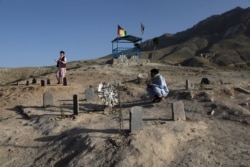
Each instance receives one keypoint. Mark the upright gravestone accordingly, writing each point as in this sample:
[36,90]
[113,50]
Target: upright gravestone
[75,105]
[65,81]
[48,81]
[90,94]
[178,112]
[34,81]
[47,99]
[205,81]
[42,83]
[189,85]
[117,83]
[135,121]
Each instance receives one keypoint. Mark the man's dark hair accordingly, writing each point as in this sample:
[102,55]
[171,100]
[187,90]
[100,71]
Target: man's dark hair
[62,52]
[155,71]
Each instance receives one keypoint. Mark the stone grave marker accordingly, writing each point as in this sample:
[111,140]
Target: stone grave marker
[206,84]
[47,99]
[189,85]
[65,81]
[75,105]
[42,83]
[89,94]
[48,81]
[205,81]
[178,112]
[135,122]
[27,83]
[34,81]
[117,82]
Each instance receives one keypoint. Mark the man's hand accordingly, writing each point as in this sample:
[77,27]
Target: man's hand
[148,83]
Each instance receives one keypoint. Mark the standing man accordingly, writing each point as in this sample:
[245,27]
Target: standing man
[61,65]
[157,87]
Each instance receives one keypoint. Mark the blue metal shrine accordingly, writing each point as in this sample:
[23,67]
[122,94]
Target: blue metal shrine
[126,47]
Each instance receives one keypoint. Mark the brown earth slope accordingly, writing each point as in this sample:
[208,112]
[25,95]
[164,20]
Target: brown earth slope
[37,136]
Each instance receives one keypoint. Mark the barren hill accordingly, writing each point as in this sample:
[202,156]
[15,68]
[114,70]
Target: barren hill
[221,40]
[216,132]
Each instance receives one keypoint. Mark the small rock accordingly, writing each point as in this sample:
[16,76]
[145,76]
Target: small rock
[212,112]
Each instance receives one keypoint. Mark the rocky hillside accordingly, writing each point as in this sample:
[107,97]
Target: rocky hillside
[220,40]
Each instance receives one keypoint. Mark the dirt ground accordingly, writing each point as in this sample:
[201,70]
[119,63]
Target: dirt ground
[215,133]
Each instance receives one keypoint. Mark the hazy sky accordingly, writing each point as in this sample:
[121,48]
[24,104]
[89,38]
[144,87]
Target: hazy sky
[34,31]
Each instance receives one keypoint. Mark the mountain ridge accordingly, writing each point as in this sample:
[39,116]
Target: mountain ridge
[224,36]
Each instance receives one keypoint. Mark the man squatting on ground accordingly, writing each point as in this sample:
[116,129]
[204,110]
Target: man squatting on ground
[157,87]
[61,65]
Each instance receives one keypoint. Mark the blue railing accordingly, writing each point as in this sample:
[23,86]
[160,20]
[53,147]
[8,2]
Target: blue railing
[129,52]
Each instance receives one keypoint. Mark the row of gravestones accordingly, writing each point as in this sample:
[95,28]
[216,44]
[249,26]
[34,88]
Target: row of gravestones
[48,102]
[48,99]
[136,115]
[48,82]
[89,93]
[190,85]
